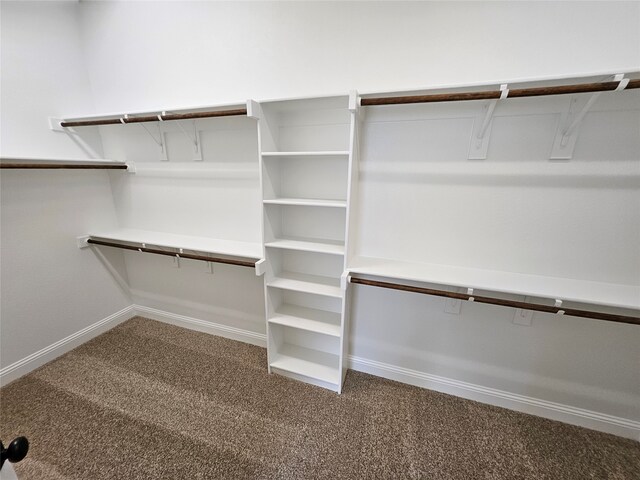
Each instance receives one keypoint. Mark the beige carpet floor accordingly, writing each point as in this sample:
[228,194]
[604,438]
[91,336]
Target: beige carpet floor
[152,401]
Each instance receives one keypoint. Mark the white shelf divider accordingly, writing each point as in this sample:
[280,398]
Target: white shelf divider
[308,245]
[307,202]
[329,153]
[302,282]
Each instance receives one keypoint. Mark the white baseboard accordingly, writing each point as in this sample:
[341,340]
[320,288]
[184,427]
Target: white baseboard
[622,427]
[39,358]
[259,339]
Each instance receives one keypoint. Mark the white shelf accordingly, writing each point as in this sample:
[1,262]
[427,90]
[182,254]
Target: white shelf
[302,282]
[175,109]
[330,153]
[596,293]
[59,161]
[311,319]
[332,247]
[307,202]
[305,361]
[170,240]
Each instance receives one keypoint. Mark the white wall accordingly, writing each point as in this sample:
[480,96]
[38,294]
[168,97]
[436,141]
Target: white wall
[50,289]
[152,54]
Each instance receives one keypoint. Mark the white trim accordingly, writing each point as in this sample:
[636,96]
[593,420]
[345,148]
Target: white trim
[39,358]
[623,427]
[212,328]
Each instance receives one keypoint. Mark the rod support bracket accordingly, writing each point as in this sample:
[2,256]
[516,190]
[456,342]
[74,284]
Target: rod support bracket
[55,124]
[261,266]
[345,279]
[83,241]
[470,293]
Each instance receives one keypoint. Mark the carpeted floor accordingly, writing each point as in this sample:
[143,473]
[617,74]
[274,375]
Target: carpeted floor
[152,401]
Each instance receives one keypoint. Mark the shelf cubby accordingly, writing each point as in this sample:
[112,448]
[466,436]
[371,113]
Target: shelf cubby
[310,228]
[307,354]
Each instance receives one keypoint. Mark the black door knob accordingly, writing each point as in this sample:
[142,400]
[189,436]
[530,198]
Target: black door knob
[15,452]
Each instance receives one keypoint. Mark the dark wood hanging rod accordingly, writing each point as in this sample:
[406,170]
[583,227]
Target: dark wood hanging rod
[63,166]
[229,261]
[497,301]
[495,94]
[155,118]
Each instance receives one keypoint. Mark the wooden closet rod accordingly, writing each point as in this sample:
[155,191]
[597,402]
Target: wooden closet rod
[229,261]
[66,166]
[495,94]
[497,301]
[155,118]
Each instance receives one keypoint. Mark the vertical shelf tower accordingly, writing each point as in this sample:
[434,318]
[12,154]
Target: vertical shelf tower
[307,159]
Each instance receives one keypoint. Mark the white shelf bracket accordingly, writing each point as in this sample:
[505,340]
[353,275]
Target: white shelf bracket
[195,140]
[161,141]
[131,168]
[558,304]
[569,126]
[176,261]
[208,267]
[481,134]
[261,266]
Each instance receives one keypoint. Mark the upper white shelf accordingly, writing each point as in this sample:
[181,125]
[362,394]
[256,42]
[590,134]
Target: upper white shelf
[307,202]
[329,153]
[176,109]
[170,240]
[595,293]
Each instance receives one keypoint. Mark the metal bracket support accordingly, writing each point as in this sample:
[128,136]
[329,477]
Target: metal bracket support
[569,126]
[481,133]
[195,140]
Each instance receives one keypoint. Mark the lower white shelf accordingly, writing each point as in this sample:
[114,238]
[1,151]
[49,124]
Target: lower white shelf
[302,282]
[310,363]
[170,240]
[310,319]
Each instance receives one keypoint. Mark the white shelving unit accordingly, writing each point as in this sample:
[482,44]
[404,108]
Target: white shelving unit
[307,151]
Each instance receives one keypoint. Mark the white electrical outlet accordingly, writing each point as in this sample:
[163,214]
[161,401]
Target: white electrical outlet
[453,305]
[523,317]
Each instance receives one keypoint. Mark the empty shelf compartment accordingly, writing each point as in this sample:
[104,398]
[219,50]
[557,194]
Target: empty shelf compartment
[308,362]
[311,319]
